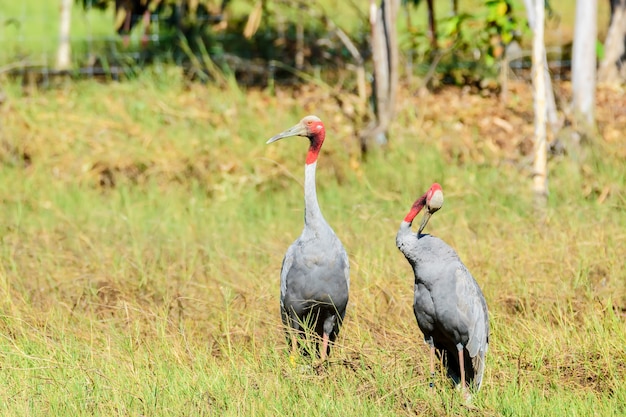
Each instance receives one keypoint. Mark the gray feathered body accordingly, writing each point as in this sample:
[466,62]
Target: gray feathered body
[448,304]
[314,278]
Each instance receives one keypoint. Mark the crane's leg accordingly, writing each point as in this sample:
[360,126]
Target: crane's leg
[327,329]
[294,344]
[462,366]
[432,362]
[325,338]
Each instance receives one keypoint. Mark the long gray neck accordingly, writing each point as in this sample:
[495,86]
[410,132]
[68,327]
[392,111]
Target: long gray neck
[312,213]
[404,233]
[405,228]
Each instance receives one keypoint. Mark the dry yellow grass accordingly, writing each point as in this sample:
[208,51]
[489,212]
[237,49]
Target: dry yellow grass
[144,224]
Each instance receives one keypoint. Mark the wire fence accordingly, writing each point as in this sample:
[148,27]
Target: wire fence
[30,37]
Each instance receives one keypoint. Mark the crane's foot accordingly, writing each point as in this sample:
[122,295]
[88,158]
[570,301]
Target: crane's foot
[432,364]
[467,396]
[321,368]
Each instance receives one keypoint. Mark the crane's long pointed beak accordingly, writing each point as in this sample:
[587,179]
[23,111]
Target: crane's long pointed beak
[297,130]
[427,215]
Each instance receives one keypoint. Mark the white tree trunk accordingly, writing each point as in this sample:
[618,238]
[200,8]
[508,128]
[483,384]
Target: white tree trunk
[385,56]
[584,63]
[540,171]
[64,52]
[553,118]
[608,72]
[380,56]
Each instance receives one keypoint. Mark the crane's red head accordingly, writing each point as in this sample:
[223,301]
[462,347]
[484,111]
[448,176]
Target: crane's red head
[310,127]
[432,199]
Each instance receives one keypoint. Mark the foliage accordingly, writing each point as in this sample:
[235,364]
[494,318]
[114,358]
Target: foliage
[472,42]
[502,27]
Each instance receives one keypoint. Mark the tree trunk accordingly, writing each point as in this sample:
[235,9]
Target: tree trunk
[552,115]
[385,57]
[64,52]
[540,171]
[614,53]
[432,25]
[584,65]
[360,64]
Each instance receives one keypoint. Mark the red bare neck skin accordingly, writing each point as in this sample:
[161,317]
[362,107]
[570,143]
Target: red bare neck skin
[317,140]
[415,209]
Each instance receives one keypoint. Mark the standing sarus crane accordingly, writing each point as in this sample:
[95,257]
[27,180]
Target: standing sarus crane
[448,303]
[315,275]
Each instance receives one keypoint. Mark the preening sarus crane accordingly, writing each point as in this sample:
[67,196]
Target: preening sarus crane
[315,275]
[448,304]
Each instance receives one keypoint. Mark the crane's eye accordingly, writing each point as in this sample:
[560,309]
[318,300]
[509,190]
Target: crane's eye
[309,122]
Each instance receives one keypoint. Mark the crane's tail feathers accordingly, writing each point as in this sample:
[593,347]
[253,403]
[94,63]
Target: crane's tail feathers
[478,363]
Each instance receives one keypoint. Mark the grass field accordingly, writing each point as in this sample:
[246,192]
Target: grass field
[144,225]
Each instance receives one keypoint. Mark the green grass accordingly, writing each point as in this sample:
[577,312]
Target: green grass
[144,224]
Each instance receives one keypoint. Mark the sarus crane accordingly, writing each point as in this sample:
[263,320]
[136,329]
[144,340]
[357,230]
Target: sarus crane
[315,274]
[449,306]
